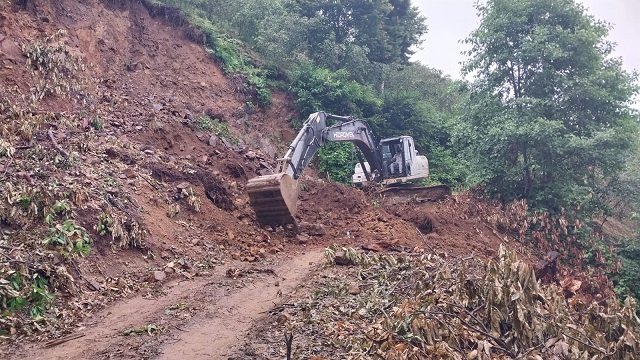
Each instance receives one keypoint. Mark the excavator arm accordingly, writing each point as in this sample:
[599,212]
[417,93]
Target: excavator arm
[315,133]
[274,197]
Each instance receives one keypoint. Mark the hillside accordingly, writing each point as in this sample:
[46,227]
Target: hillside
[124,155]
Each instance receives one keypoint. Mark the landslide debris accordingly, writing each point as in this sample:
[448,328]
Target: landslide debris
[419,305]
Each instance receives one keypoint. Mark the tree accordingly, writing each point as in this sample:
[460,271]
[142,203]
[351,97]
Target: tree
[387,29]
[549,116]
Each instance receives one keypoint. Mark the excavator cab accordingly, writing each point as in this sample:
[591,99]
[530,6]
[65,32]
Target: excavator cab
[400,163]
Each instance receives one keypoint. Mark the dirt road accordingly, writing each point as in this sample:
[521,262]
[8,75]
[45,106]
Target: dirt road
[169,327]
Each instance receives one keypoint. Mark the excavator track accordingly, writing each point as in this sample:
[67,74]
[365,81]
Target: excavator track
[412,194]
[274,199]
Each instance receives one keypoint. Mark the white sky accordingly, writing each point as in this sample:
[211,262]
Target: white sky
[450,21]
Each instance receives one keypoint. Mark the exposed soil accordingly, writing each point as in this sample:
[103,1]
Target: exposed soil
[198,319]
[151,85]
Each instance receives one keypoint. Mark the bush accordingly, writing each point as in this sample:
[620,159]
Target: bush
[320,89]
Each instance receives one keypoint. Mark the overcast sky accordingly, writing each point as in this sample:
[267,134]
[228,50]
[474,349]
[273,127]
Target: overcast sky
[449,21]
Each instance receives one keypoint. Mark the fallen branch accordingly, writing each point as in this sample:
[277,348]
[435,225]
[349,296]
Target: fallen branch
[63,340]
[155,187]
[586,344]
[55,144]
[500,344]
[31,266]
[288,340]
[6,167]
[92,283]
[424,241]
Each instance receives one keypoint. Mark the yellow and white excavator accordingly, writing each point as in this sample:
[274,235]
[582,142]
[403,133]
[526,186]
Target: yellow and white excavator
[393,163]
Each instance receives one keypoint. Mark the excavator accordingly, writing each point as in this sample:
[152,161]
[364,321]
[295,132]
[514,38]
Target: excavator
[392,163]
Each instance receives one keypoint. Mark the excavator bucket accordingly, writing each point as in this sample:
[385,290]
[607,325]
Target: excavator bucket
[274,199]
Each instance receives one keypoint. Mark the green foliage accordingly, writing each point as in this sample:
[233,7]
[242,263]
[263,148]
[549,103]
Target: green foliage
[336,160]
[332,91]
[387,29]
[548,118]
[217,127]
[20,292]
[408,113]
[627,280]
[97,123]
[71,237]
[105,221]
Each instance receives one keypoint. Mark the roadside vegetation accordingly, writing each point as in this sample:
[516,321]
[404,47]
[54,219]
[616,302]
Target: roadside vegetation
[424,306]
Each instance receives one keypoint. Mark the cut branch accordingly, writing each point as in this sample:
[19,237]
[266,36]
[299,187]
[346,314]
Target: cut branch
[55,144]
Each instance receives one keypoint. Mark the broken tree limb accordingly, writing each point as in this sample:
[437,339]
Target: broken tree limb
[63,340]
[6,167]
[94,285]
[55,144]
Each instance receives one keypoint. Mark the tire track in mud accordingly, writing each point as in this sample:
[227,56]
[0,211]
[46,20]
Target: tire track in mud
[222,333]
[217,328]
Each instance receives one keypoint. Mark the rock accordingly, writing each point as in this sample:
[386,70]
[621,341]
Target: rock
[156,107]
[168,270]
[250,155]
[354,289]
[183,186]
[263,172]
[283,318]
[157,276]
[138,128]
[129,173]
[312,229]
[149,152]
[341,259]
[93,285]
[213,140]
[302,239]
